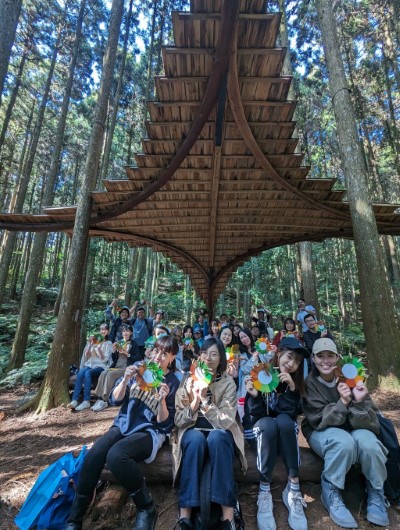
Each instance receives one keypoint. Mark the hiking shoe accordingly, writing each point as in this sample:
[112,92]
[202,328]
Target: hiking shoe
[333,502]
[377,507]
[73,404]
[265,516]
[184,524]
[295,503]
[84,405]
[146,518]
[100,405]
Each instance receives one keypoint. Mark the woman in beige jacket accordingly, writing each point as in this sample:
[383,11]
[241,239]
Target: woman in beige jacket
[206,427]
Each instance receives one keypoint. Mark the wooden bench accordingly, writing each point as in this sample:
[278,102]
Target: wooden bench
[160,471]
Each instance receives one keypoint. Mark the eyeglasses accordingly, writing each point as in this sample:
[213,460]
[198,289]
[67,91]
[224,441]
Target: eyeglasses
[157,352]
[210,355]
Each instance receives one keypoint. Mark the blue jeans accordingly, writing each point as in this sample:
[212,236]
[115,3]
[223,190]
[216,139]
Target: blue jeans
[218,445]
[341,449]
[84,378]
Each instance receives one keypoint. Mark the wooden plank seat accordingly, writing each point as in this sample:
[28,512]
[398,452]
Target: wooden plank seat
[160,471]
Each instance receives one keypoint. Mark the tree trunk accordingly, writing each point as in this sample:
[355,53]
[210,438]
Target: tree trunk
[380,328]
[54,389]
[57,303]
[39,244]
[113,119]
[133,258]
[9,15]
[308,274]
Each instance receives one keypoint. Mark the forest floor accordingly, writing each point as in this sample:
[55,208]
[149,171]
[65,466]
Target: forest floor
[28,443]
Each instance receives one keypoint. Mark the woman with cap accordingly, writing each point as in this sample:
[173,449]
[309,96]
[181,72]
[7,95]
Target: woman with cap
[271,428]
[341,425]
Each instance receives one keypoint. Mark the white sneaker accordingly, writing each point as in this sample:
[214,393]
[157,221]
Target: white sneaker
[295,503]
[73,404]
[265,516]
[100,405]
[84,405]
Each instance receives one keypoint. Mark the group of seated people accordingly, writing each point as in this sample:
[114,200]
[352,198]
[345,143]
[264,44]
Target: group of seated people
[211,400]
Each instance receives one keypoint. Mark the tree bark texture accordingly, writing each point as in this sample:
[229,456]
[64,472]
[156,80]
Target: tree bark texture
[381,333]
[9,15]
[52,393]
[308,275]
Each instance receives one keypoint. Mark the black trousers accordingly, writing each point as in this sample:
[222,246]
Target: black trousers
[121,453]
[276,436]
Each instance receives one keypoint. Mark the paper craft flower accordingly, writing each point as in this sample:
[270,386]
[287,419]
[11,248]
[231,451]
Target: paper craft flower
[96,338]
[122,345]
[294,334]
[264,347]
[264,378]
[351,371]
[231,352]
[200,373]
[150,342]
[149,376]
[188,342]
[320,326]
[118,307]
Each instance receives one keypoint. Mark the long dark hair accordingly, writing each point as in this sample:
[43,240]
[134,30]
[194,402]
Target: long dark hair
[221,350]
[289,319]
[298,375]
[242,347]
[105,325]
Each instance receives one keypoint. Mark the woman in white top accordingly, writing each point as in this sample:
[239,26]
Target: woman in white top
[96,358]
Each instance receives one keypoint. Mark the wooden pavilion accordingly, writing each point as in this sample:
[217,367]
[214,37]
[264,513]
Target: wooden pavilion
[219,178]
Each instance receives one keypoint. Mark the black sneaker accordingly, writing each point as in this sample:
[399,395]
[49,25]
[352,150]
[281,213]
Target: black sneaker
[184,524]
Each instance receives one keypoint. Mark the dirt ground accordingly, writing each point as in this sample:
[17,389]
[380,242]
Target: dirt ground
[29,443]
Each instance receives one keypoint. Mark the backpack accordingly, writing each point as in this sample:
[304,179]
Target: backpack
[50,499]
[388,437]
[208,516]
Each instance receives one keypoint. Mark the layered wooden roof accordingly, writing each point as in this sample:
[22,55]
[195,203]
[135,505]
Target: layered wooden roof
[219,178]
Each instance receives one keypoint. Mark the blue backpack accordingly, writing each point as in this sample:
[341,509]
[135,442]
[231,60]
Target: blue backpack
[50,499]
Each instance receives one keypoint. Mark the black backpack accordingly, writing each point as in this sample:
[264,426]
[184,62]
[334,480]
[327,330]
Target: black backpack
[388,437]
[208,516]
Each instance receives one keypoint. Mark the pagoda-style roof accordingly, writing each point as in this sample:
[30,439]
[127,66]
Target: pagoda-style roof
[219,178]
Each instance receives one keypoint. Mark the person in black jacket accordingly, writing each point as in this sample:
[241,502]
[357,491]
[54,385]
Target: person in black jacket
[274,429]
[144,420]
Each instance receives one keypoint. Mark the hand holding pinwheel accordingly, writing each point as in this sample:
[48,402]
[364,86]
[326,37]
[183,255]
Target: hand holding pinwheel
[264,347]
[149,376]
[200,373]
[264,377]
[351,370]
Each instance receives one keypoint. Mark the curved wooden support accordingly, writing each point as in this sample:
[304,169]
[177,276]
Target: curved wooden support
[127,236]
[229,267]
[248,137]
[229,21]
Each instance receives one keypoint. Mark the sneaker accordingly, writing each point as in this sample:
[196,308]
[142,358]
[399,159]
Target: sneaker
[73,404]
[265,516]
[333,502]
[377,508]
[100,405]
[96,404]
[84,405]
[295,503]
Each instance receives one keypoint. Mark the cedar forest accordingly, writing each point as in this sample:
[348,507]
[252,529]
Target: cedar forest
[48,104]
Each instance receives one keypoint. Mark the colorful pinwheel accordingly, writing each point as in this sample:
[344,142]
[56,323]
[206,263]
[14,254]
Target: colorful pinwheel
[122,345]
[320,326]
[231,352]
[352,370]
[188,342]
[200,373]
[149,376]
[150,342]
[264,377]
[264,347]
[96,338]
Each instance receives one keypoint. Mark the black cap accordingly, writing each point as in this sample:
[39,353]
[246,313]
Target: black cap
[291,343]
[160,312]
